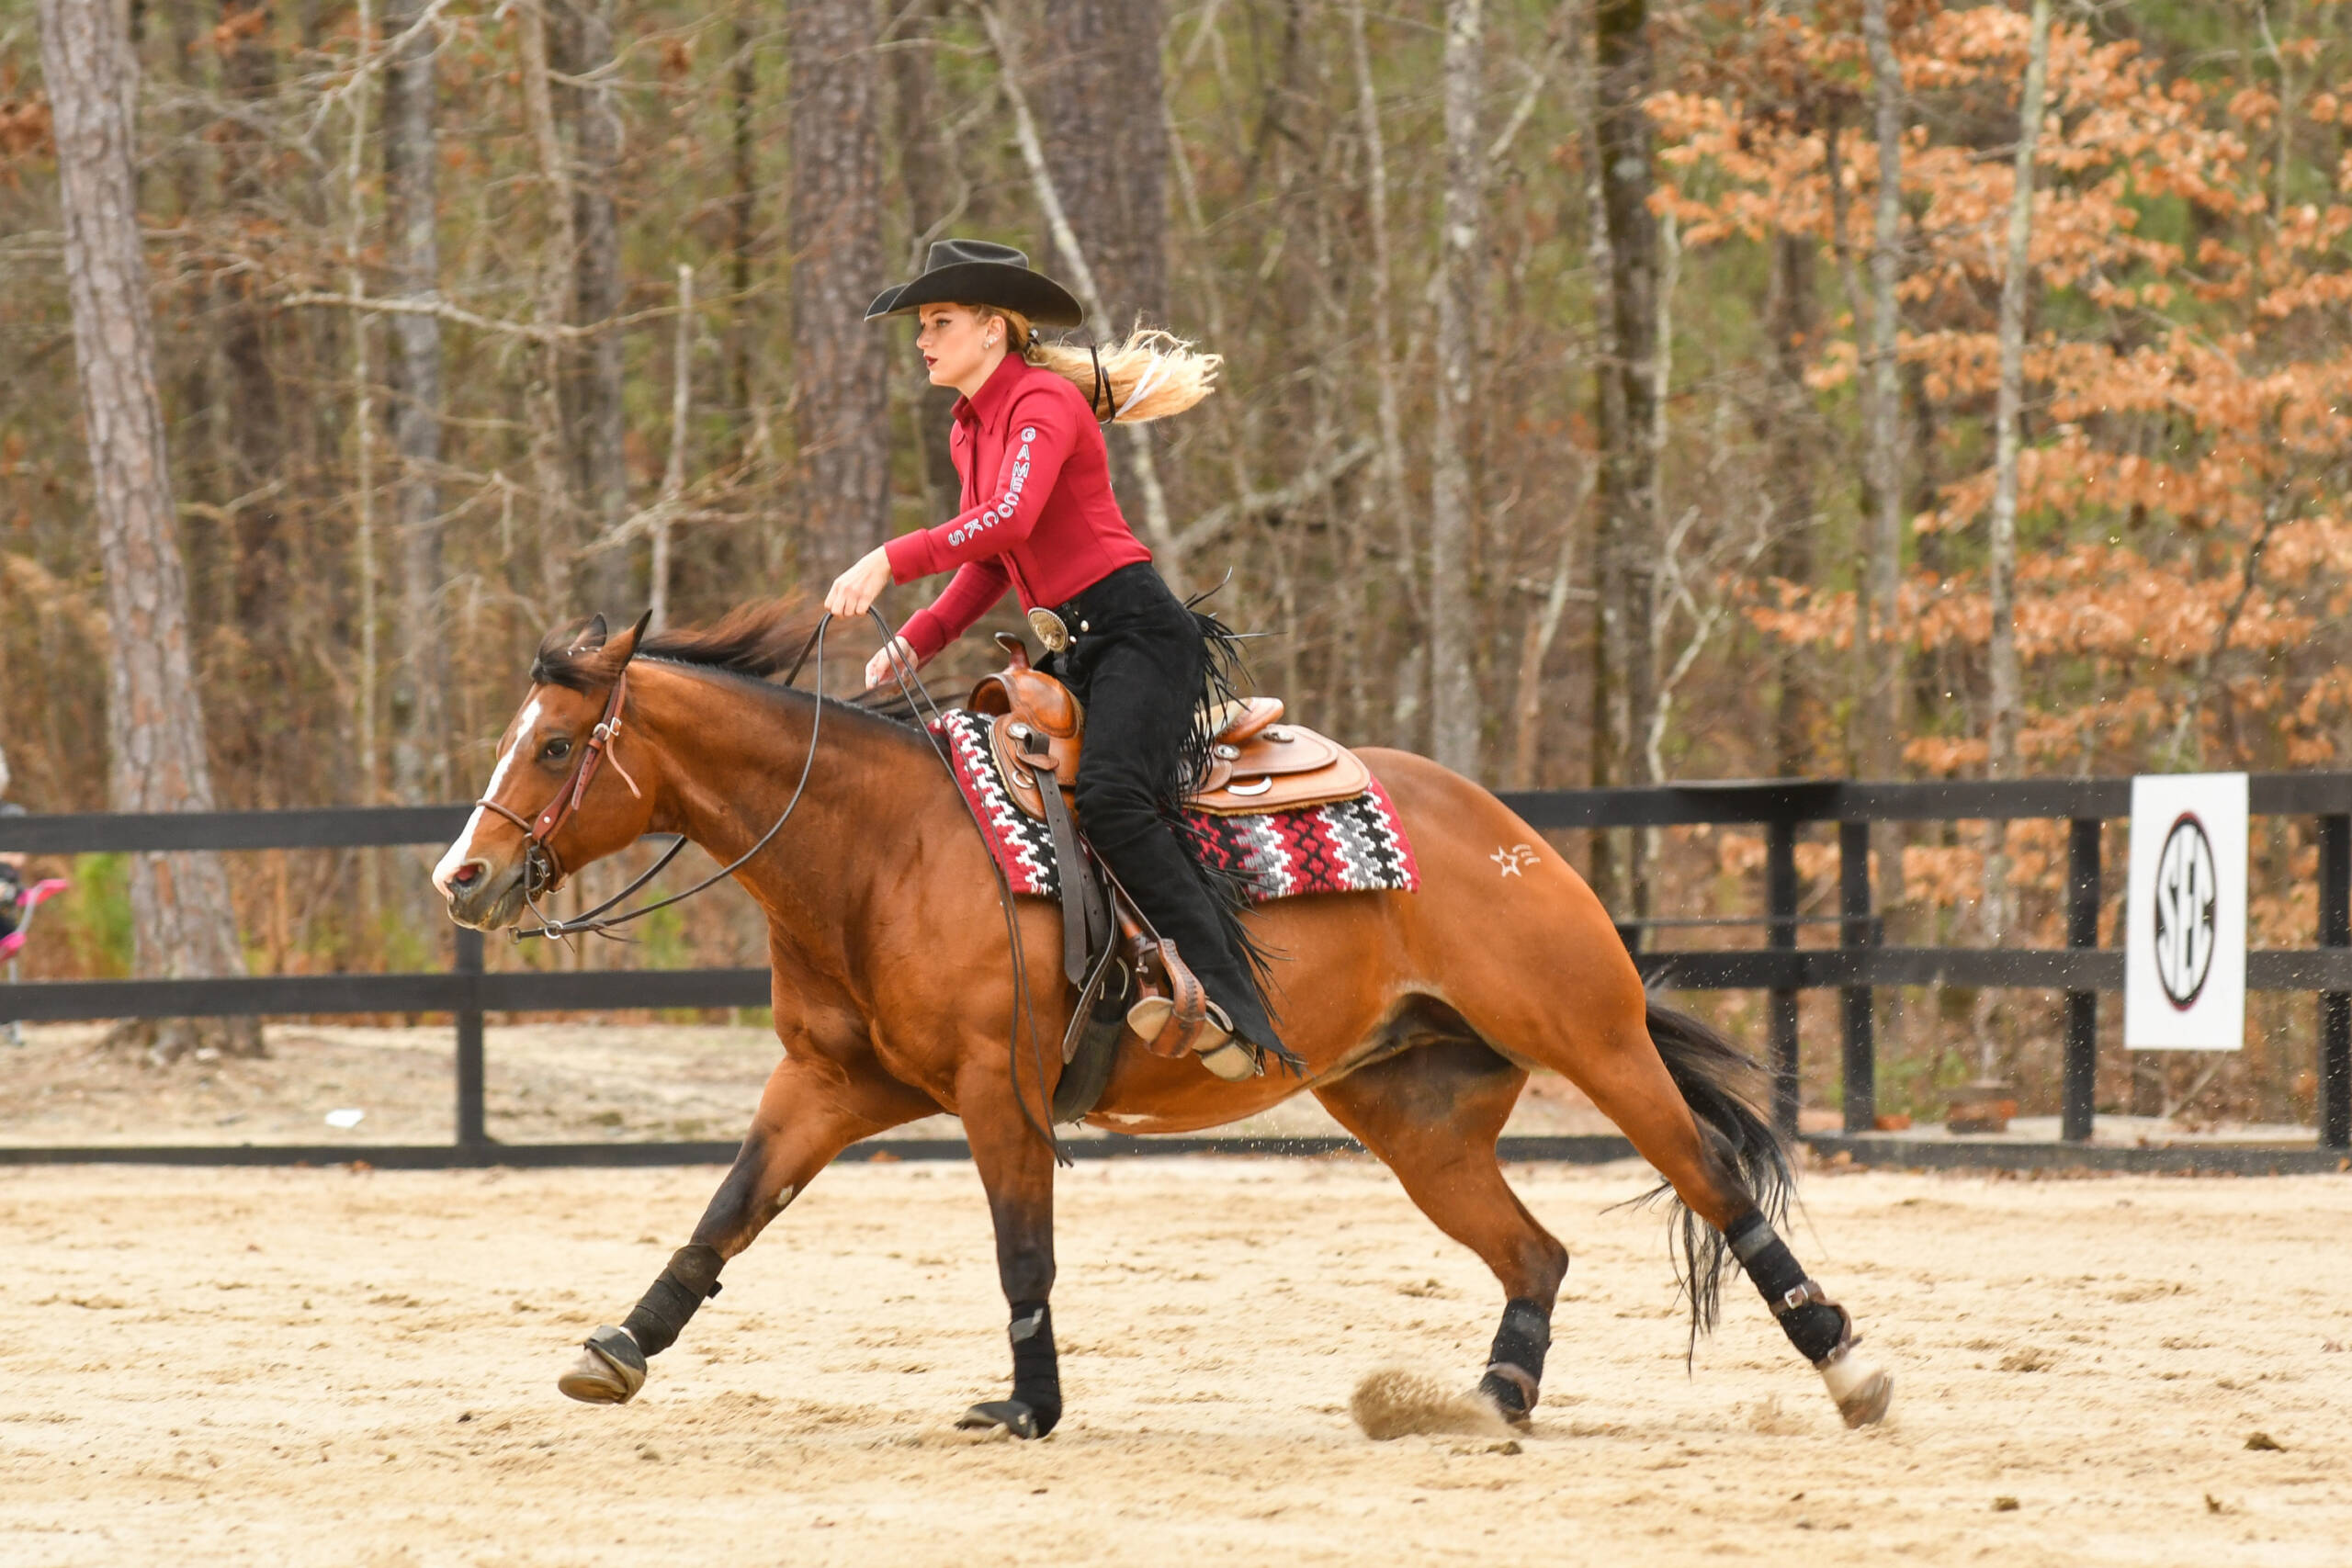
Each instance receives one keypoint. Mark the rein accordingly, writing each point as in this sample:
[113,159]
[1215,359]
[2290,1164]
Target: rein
[543,870]
[567,795]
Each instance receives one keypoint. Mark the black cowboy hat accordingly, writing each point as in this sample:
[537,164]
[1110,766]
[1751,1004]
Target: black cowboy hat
[975,272]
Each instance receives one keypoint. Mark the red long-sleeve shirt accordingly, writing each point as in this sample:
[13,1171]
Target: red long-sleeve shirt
[1045,524]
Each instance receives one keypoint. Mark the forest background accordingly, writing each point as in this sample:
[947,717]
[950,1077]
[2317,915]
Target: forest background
[1614,392]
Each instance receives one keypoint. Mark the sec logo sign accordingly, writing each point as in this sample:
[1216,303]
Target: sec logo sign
[2184,925]
[2183,928]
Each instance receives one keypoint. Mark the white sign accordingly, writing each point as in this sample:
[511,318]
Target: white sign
[2184,924]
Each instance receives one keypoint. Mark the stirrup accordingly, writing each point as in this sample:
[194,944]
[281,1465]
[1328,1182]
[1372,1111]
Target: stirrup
[1218,1051]
[1230,1059]
[1173,1025]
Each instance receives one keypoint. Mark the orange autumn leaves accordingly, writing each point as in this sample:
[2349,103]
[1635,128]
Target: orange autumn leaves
[2189,370]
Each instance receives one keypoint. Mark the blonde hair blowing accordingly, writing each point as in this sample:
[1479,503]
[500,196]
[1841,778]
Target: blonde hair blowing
[1161,365]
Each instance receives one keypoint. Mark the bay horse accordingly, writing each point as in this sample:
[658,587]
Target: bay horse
[1417,1015]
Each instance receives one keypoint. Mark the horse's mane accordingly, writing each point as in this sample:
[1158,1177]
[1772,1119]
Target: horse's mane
[755,641]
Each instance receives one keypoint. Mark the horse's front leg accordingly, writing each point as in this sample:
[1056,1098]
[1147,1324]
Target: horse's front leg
[1016,1168]
[810,1111]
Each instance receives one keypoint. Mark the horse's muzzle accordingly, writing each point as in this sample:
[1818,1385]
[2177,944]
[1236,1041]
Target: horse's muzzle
[485,899]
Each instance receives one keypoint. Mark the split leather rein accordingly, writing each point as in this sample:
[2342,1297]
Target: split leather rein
[543,870]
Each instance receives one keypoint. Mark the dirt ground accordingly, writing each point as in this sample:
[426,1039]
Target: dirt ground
[358,1369]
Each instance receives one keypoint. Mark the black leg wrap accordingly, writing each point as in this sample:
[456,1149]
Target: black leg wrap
[660,1316]
[1515,1367]
[1036,1367]
[1813,1327]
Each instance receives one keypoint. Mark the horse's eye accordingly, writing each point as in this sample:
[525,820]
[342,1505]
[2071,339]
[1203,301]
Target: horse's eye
[556,749]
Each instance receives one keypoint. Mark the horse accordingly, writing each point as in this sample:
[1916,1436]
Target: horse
[1415,1016]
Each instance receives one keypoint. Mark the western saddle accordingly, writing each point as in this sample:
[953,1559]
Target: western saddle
[1258,764]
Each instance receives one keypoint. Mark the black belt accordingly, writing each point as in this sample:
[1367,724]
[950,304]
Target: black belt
[1063,625]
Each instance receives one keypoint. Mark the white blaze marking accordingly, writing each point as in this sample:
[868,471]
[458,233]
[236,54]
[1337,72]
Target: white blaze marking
[462,851]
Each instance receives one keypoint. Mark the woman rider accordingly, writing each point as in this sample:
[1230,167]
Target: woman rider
[1038,517]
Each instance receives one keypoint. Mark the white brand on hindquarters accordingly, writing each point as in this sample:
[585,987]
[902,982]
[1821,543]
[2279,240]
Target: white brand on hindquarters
[1515,859]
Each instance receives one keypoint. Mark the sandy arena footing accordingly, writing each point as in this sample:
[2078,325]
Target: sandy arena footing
[358,1369]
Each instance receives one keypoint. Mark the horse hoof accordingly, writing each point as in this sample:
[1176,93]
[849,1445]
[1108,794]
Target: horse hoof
[610,1371]
[1009,1414]
[1861,1390]
[1512,1392]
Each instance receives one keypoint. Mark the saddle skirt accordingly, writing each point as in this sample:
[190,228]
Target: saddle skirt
[1258,765]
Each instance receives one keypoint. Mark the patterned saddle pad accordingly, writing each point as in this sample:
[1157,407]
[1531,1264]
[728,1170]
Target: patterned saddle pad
[1348,846]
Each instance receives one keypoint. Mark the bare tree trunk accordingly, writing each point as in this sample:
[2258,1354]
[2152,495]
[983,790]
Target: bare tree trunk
[1876,610]
[1629,493]
[182,921]
[421,674]
[1096,71]
[550,474]
[1788,314]
[1536,643]
[2001,563]
[673,473]
[1383,347]
[596,419]
[1159,524]
[2001,566]
[256,432]
[937,194]
[841,363]
[742,206]
[363,448]
[1454,682]
[1877,602]
[1105,137]
[1611,736]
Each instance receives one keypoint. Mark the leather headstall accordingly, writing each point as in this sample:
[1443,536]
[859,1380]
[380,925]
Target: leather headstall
[538,835]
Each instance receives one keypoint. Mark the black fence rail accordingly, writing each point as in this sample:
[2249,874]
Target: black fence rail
[1859,963]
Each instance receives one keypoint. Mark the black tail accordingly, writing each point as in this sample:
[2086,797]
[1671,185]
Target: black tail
[1724,1087]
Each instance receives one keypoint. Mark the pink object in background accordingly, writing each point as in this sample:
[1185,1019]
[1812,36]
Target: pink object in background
[32,899]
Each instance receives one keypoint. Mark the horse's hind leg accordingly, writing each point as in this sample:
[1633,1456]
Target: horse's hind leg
[1670,1084]
[809,1112]
[1432,1115]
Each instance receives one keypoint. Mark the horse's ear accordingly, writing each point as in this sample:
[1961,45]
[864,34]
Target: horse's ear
[629,641]
[590,636]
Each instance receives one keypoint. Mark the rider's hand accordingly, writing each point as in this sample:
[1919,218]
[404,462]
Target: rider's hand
[879,668]
[854,590]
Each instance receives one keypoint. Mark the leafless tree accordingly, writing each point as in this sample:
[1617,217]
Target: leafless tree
[411,150]
[1883,465]
[1095,69]
[181,918]
[1453,620]
[1624,673]
[840,363]
[595,422]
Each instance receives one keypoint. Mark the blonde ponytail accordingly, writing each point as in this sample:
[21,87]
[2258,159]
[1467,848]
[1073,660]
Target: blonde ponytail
[1148,374]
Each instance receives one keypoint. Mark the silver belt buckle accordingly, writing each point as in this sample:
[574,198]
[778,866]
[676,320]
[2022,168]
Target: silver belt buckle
[1050,629]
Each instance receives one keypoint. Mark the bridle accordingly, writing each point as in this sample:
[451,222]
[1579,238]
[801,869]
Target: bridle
[543,870]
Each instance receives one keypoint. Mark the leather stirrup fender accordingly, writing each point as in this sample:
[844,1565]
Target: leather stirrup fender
[1077,911]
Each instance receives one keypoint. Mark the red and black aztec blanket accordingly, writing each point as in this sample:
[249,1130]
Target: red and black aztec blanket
[1351,846]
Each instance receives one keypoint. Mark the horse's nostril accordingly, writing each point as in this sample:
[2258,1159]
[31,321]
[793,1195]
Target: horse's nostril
[467,875]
